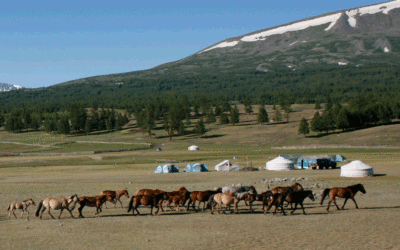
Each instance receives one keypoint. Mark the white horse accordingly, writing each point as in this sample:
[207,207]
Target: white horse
[57,204]
[20,205]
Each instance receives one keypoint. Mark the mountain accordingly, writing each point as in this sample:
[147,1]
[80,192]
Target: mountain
[359,36]
[343,53]
[7,87]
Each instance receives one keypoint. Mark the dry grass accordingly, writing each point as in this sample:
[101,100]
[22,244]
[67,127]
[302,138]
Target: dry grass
[374,226]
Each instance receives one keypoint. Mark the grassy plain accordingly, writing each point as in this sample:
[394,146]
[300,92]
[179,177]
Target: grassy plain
[376,225]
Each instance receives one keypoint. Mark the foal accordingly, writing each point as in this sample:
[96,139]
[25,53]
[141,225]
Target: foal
[95,201]
[20,205]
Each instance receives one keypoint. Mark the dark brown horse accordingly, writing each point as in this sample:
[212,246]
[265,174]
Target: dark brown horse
[150,192]
[146,200]
[260,197]
[342,192]
[275,200]
[115,195]
[298,198]
[201,196]
[96,201]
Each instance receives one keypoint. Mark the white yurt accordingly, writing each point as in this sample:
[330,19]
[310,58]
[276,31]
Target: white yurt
[226,166]
[193,148]
[356,169]
[280,164]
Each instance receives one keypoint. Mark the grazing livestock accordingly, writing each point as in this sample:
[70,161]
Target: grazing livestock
[277,201]
[201,196]
[146,200]
[224,199]
[260,197]
[294,188]
[115,195]
[298,198]
[342,192]
[20,205]
[57,204]
[96,201]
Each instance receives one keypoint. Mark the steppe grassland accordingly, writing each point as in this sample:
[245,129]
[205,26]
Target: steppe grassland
[374,226]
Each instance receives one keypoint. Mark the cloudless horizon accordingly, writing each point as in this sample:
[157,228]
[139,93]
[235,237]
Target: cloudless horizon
[43,43]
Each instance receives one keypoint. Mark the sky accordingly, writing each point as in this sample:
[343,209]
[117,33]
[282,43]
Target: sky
[43,43]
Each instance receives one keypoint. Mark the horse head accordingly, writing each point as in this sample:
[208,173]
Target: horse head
[311,196]
[362,189]
[126,193]
[32,202]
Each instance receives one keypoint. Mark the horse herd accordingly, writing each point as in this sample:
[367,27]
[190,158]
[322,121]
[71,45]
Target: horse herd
[211,199]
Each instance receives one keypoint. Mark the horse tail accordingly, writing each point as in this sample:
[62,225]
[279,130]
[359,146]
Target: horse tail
[39,207]
[324,194]
[130,206]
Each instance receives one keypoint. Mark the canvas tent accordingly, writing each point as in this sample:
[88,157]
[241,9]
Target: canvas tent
[193,148]
[226,166]
[356,169]
[197,167]
[338,158]
[306,161]
[280,164]
[167,168]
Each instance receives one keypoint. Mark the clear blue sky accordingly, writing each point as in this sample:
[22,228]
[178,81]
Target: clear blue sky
[43,43]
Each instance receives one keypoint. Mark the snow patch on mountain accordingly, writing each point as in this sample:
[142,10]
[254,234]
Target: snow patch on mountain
[384,8]
[332,19]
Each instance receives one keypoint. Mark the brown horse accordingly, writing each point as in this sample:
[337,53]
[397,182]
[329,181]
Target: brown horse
[201,196]
[150,192]
[178,200]
[277,201]
[298,198]
[146,200]
[260,197]
[20,205]
[342,192]
[294,188]
[226,199]
[115,195]
[57,204]
[96,201]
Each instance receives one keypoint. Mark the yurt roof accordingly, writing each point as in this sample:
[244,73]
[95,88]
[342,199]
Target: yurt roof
[281,160]
[356,165]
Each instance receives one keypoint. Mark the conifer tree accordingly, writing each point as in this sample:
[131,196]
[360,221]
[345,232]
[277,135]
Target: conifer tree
[63,125]
[262,116]
[316,123]
[234,117]
[200,128]
[223,118]
[304,127]
[277,115]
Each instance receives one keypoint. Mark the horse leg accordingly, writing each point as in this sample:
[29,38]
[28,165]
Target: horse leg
[345,200]
[41,214]
[334,201]
[48,210]
[27,218]
[22,213]
[151,209]
[294,209]
[354,202]
[14,214]
[80,211]
[301,204]
[283,211]
[62,209]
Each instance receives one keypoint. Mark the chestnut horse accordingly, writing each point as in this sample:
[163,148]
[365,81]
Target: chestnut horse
[20,205]
[260,197]
[342,192]
[57,204]
[298,198]
[294,188]
[146,200]
[115,195]
[95,201]
[276,200]
[201,196]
